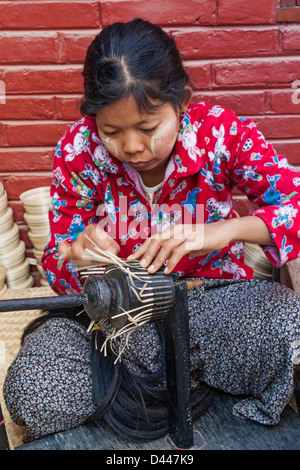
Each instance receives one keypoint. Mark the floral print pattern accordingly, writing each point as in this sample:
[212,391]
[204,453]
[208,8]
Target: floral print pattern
[215,153]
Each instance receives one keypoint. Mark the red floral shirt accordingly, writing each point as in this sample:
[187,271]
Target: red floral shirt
[215,152]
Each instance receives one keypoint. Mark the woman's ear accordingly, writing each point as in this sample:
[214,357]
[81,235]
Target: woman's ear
[186,99]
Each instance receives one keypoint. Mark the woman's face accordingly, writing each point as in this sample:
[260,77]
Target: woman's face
[144,141]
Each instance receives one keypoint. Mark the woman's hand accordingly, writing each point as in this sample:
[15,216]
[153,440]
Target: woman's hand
[182,240]
[198,240]
[74,251]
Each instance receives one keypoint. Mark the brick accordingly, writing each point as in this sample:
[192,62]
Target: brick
[2,135]
[28,107]
[289,148]
[287,3]
[247,12]
[74,45]
[37,107]
[200,74]
[262,72]
[45,47]
[23,229]
[288,15]
[226,42]
[43,79]
[282,102]
[291,39]
[35,133]
[26,159]
[276,127]
[67,107]
[163,12]
[240,102]
[18,211]
[17,183]
[28,47]
[49,15]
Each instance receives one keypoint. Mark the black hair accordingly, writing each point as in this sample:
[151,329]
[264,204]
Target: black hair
[133,406]
[137,59]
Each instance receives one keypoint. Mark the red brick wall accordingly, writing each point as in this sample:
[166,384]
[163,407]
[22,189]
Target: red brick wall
[237,54]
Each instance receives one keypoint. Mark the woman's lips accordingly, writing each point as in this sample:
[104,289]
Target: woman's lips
[140,165]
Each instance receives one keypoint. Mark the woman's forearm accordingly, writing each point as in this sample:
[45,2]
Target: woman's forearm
[251,229]
[197,240]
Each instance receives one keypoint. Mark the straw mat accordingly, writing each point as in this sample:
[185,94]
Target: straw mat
[12,325]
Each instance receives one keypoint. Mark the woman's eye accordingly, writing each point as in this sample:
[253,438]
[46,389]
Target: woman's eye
[110,134]
[149,131]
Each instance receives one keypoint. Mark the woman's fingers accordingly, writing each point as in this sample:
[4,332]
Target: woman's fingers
[91,236]
[156,258]
[157,249]
[170,245]
[103,240]
[175,257]
[139,251]
[64,249]
[149,248]
[182,241]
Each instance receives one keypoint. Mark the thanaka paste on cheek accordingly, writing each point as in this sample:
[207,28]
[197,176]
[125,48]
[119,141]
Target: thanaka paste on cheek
[110,145]
[164,136]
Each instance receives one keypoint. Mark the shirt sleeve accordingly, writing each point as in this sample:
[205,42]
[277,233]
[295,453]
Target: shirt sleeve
[271,183]
[74,206]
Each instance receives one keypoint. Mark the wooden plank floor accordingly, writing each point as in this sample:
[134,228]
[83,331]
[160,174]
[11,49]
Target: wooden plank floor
[219,429]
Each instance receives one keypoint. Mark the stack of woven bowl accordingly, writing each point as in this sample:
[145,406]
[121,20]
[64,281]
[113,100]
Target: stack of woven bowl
[12,249]
[3,286]
[36,203]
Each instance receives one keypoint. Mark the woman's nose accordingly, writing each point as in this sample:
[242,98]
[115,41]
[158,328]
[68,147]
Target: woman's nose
[132,143]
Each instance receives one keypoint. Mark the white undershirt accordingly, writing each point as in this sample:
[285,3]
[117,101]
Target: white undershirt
[150,191]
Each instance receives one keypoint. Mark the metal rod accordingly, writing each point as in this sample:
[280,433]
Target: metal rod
[43,303]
